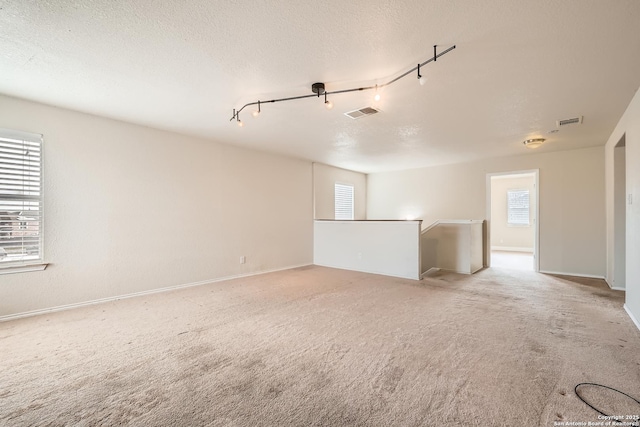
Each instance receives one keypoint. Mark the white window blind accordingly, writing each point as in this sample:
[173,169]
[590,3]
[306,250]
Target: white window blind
[343,201]
[20,197]
[518,207]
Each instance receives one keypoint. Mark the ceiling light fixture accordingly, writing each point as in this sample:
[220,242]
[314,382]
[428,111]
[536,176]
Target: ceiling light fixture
[377,96]
[534,142]
[256,113]
[421,79]
[236,115]
[319,89]
[328,104]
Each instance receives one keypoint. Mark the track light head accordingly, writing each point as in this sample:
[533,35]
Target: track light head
[328,104]
[421,79]
[256,113]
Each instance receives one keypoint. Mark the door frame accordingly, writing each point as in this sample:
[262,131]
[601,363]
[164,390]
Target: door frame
[536,222]
[620,205]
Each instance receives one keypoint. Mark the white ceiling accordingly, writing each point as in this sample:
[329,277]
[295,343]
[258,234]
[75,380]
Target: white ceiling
[519,65]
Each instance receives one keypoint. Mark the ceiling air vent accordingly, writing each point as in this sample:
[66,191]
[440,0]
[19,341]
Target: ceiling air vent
[566,122]
[366,111]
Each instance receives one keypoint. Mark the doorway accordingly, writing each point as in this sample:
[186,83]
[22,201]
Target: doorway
[512,204]
[619,214]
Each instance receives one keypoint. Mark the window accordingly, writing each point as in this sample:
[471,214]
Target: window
[344,201]
[20,198]
[518,207]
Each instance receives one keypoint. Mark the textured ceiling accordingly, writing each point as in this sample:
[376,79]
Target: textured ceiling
[519,65]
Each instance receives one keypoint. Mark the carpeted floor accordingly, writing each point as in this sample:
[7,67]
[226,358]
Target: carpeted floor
[512,260]
[322,347]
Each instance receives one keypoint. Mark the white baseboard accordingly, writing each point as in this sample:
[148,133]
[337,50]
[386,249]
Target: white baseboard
[447,270]
[615,288]
[138,294]
[419,276]
[559,273]
[511,249]
[633,318]
[430,271]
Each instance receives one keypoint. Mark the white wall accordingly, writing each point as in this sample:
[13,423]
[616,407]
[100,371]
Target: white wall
[571,192]
[391,248]
[503,235]
[629,127]
[324,180]
[131,209]
[452,245]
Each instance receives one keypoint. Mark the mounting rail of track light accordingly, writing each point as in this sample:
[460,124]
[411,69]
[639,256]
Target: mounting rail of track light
[318,89]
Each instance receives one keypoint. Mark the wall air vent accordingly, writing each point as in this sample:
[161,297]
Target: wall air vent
[366,111]
[572,121]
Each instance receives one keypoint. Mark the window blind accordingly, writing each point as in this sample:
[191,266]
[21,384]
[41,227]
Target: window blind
[343,202]
[20,196]
[518,207]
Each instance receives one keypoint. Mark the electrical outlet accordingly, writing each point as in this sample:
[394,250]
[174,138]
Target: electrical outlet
[243,259]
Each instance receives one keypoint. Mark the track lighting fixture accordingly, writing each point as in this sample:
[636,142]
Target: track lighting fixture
[319,88]
[236,115]
[256,113]
[328,104]
[421,79]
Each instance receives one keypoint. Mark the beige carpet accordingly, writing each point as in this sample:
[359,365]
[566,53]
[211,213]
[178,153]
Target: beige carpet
[322,347]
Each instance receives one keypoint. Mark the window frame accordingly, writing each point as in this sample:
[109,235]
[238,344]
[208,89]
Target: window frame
[33,264]
[336,201]
[510,208]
